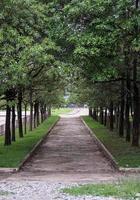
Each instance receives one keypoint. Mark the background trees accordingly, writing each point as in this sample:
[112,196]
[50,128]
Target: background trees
[29,65]
[103,37]
[90,46]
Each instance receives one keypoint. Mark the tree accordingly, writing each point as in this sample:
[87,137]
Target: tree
[103,36]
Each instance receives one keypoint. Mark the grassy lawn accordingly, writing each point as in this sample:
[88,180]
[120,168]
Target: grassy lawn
[5,193]
[11,156]
[60,111]
[126,190]
[123,152]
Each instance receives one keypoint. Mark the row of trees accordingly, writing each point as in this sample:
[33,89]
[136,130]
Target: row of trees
[30,74]
[95,45]
[101,40]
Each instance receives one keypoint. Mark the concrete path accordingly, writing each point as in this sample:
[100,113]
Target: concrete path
[69,154]
[68,157]
[76,112]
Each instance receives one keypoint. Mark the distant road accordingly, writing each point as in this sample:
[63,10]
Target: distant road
[76,112]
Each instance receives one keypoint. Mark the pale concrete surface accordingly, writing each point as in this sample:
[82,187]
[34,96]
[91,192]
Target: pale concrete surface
[69,154]
[68,157]
[76,112]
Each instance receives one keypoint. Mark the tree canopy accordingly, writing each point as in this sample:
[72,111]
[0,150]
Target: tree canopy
[92,48]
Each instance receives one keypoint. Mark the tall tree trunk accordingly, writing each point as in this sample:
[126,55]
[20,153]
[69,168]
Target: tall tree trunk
[7,126]
[111,116]
[117,117]
[97,111]
[38,118]
[10,95]
[90,111]
[127,121]
[45,112]
[41,111]
[135,137]
[94,114]
[35,115]
[13,124]
[50,110]
[105,117]
[25,119]
[122,106]
[19,108]
[137,4]
[31,108]
[101,116]
[127,103]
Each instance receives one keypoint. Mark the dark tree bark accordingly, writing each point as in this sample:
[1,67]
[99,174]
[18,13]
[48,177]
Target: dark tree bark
[38,117]
[97,111]
[90,112]
[128,103]
[25,119]
[127,121]
[13,124]
[19,108]
[136,106]
[7,126]
[117,117]
[122,106]
[10,96]
[45,111]
[42,111]
[135,137]
[111,116]
[137,4]
[101,116]
[31,108]
[94,114]
[35,114]
[105,116]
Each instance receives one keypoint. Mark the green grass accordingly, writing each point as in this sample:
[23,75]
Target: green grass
[60,111]
[126,190]
[126,155]
[5,193]
[11,156]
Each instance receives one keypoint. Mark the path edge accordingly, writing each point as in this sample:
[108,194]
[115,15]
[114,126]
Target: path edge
[30,154]
[107,154]
[101,146]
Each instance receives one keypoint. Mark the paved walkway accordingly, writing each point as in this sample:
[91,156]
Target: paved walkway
[69,153]
[69,156]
